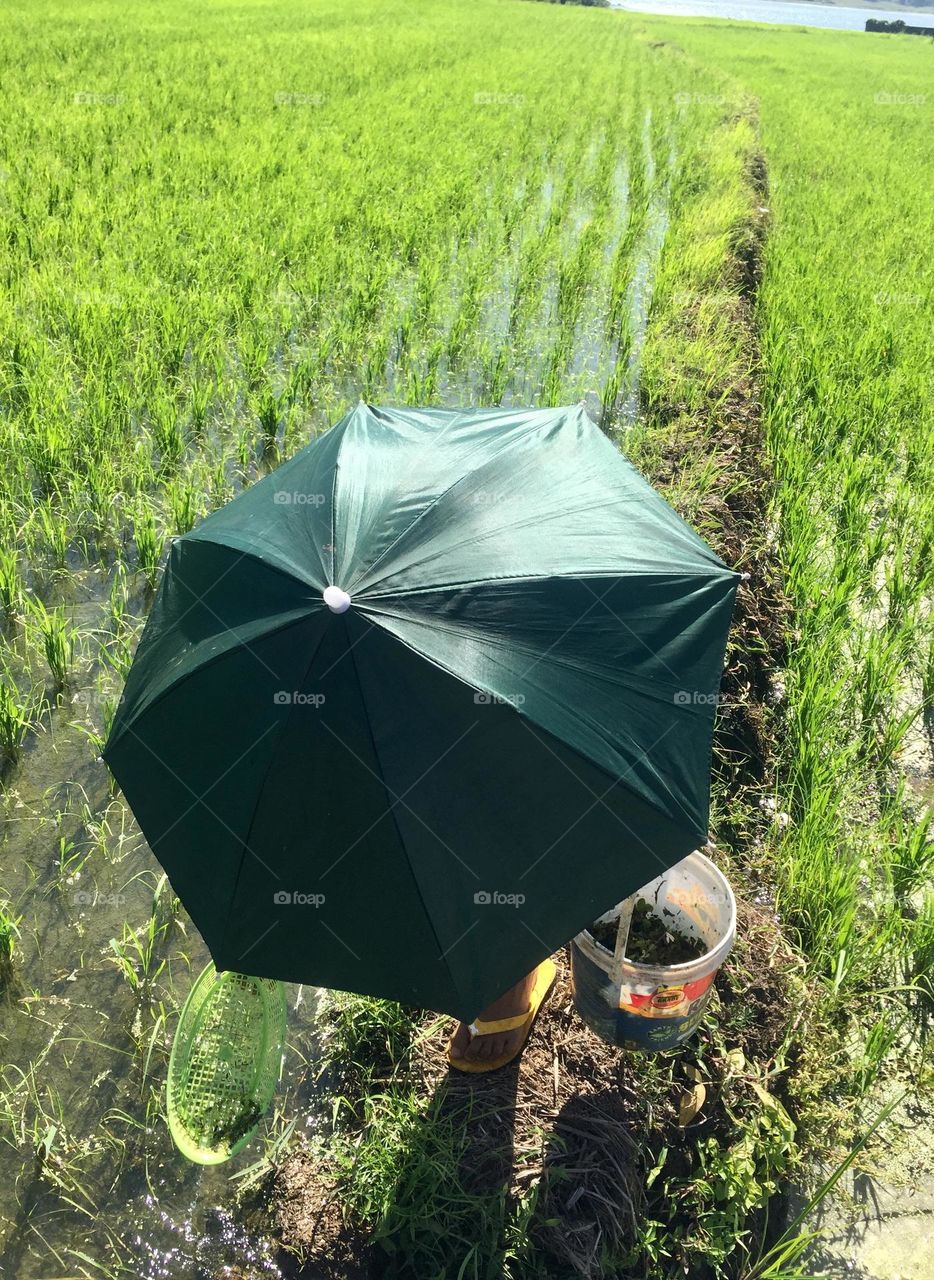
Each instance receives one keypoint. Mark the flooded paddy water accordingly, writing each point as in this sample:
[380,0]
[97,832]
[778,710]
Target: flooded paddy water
[88,1170]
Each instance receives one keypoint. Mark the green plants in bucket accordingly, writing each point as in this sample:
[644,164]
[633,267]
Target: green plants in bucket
[225,1063]
[632,999]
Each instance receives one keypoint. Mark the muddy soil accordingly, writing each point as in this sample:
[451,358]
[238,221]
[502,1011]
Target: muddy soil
[583,1118]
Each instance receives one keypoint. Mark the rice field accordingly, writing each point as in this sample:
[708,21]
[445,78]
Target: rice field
[223,226]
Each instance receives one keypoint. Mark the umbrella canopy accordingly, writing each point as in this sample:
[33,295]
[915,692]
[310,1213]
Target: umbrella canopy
[413,709]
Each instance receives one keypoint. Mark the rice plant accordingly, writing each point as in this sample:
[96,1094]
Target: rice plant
[149,542]
[9,934]
[15,718]
[56,637]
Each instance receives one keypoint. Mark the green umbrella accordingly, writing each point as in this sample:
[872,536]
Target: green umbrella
[413,709]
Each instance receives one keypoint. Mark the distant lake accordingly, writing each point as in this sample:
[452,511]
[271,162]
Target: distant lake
[806,15]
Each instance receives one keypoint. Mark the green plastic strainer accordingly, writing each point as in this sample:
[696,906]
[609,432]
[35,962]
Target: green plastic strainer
[225,1063]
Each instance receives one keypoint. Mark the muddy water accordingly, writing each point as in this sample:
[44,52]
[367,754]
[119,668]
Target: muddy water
[84,1054]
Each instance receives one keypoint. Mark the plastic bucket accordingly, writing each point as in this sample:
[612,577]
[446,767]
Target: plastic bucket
[654,1007]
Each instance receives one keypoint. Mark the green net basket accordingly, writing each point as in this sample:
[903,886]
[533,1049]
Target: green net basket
[225,1063]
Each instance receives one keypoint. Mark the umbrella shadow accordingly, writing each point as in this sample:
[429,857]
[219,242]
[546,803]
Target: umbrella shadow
[465,1168]
[591,1190]
[451,1202]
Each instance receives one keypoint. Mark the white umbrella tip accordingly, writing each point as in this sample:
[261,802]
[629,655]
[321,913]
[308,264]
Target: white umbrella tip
[337,601]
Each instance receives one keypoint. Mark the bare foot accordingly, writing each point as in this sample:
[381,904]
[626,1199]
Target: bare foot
[479,1048]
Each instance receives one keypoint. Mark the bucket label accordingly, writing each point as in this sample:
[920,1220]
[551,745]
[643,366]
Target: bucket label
[664,1001]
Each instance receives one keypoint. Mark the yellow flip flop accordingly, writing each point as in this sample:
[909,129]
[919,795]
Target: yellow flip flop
[544,981]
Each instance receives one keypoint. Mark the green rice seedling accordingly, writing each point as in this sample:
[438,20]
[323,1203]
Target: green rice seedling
[70,861]
[167,435]
[135,955]
[54,531]
[200,395]
[149,542]
[119,597]
[255,354]
[172,330]
[9,933]
[910,857]
[102,510]
[277,1137]
[219,488]
[61,1159]
[118,653]
[15,719]
[269,409]
[11,585]
[183,504]
[921,960]
[496,372]
[56,637]
[48,446]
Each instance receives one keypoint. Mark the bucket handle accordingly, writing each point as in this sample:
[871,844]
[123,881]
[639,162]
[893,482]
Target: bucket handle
[622,937]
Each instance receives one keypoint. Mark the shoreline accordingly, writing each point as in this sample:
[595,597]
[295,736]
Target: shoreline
[870,6]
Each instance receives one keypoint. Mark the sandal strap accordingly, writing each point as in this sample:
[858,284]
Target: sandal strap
[481,1028]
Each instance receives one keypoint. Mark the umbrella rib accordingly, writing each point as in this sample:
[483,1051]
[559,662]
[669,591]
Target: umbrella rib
[395,823]
[220,778]
[198,799]
[259,792]
[599,600]
[524,715]
[230,540]
[597,800]
[222,537]
[573,575]
[436,499]
[337,468]
[532,521]
[617,675]
[209,662]
[365,602]
[398,800]
[600,799]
